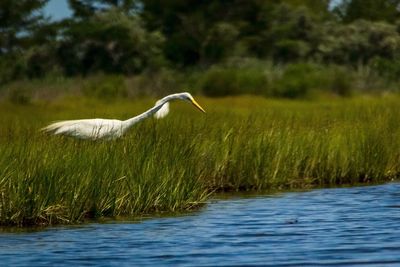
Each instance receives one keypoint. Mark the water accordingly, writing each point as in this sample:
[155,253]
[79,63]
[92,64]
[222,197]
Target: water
[334,227]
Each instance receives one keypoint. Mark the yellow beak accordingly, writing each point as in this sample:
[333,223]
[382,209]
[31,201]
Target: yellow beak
[197,105]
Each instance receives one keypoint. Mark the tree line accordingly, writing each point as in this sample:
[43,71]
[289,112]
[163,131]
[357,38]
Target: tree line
[131,36]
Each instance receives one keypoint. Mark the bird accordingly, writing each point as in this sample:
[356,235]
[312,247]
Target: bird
[96,129]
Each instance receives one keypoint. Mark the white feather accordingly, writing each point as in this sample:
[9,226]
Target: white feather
[163,111]
[87,129]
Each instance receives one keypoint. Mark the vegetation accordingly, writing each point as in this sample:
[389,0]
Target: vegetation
[110,53]
[242,143]
[237,77]
[209,40]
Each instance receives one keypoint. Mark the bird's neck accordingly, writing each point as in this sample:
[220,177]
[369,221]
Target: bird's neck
[132,121]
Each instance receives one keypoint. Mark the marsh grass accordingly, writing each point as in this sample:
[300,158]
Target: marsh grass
[172,165]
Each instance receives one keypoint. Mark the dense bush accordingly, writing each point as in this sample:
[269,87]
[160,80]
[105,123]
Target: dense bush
[40,61]
[105,87]
[340,81]
[220,81]
[6,72]
[389,69]
[297,81]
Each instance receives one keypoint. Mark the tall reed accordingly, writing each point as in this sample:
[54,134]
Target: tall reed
[243,143]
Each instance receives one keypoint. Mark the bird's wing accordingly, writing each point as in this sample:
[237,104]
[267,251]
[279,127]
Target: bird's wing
[89,128]
[61,126]
[163,111]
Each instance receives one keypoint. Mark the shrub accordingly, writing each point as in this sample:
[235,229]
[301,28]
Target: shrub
[105,87]
[297,80]
[289,50]
[157,83]
[389,69]
[340,81]
[219,81]
[11,68]
[39,61]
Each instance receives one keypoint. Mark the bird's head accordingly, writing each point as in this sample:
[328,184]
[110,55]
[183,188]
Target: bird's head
[188,97]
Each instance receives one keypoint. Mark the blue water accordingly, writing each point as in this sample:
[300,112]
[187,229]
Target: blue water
[334,227]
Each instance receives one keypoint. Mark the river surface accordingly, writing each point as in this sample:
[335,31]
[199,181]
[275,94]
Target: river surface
[332,227]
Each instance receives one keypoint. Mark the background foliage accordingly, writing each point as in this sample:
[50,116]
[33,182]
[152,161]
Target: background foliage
[206,45]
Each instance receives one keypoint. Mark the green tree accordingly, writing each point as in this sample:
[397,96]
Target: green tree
[87,8]
[22,28]
[359,42]
[18,19]
[317,7]
[288,33]
[109,41]
[209,31]
[375,10]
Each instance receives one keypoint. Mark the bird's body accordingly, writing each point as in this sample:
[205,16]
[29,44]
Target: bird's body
[110,128]
[89,128]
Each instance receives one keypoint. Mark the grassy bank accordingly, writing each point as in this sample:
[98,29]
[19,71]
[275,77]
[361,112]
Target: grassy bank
[242,143]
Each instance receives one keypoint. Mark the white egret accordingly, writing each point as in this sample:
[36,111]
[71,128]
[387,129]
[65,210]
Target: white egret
[111,129]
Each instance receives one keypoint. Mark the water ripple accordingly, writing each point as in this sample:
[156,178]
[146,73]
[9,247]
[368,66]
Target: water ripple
[327,227]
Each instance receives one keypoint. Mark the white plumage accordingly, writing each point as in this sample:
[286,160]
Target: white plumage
[163,111]
[111,129]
